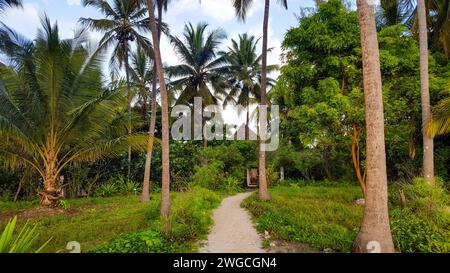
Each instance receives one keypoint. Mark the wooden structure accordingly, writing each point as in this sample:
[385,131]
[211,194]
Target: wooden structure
[252,178]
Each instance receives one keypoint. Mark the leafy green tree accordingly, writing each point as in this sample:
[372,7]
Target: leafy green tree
[241,7]
[201,66]
[245,73]
[73,118]
[123,21]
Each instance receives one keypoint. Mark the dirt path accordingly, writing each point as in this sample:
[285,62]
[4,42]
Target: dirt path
[233,231]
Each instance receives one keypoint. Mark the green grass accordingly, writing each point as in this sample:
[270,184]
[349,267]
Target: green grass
[98,221]
[323,217]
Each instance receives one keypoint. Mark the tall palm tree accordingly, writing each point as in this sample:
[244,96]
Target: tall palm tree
[141,75]
[9,4]
[375,230]
[428,145]
[241,7]
[123,21]
[161,6]
[201,66]
[165,200]
[245,73]
[73,119]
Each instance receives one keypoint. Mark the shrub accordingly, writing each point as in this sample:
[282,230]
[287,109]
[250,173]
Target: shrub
[209,177]
[190,219]
[23,242]
[107,190]
[425,197]
[413,233]
[129,187]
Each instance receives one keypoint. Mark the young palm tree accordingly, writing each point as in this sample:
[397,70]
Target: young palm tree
[245,73]
[141,75]
[9,4]
[165,200]
[428,145]
[201,66]
[241,7]
[123,21]
[73,119]
[375,230]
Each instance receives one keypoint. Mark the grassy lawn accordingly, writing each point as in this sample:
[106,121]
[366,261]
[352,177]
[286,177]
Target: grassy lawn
[97,221]
[323,217]
[327,217]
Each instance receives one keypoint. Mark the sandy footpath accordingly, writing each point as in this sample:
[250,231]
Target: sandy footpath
[233,231]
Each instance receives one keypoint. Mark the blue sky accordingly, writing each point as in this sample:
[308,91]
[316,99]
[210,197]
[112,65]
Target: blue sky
[218,13]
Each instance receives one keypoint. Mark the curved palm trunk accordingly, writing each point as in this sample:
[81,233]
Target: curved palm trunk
[375,233]
[146,189]
[263,192]
[165,200]
[428,144]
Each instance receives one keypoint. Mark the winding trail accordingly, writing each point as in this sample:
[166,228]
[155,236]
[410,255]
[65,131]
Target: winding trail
[233,231]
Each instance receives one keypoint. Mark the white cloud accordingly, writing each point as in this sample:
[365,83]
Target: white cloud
[25,21]
[74,2]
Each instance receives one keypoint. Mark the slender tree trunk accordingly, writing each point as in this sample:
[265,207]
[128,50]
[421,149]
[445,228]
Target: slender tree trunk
[356,159]
[375,234]
[247,123]
[127,74]
[165,200]
[146,189]
[263,192]
[428,145]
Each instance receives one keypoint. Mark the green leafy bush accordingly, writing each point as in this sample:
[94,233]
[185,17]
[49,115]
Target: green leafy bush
[425,197]
[23,242]
[413,233]
[209,177]
[129,187]
[190,220]
[107,190]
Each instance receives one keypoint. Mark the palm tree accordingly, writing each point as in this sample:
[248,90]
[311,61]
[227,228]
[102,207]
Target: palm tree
[161,6]
[9,4]
[165,200]
[73,118]
[375,230]
[245,73]
[122,24]
[440,121]
[201,66]
[141,75]
[428,145]
[392,12]
[241,7]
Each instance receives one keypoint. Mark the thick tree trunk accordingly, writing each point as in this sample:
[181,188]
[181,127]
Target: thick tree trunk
[375,234]
[263,191]
[428,145]
[51,193]
[165,200]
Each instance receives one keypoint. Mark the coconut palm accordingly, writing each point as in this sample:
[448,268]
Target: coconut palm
[393,12]
[241,7]
[161,5]
[165,192]
[245,73]
[201,67]
[73,118]
[375,233]
[141,75]
[123,22]
[9,4]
